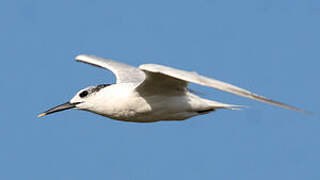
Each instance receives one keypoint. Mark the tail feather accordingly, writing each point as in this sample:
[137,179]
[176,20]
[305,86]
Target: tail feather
[219,105]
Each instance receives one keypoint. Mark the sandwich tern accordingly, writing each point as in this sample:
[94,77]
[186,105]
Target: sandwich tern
[151,93]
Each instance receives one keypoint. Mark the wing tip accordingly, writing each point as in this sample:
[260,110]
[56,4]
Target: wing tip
[83,57]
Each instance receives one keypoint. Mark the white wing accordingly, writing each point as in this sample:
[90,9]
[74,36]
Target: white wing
[156,74]
[123,72]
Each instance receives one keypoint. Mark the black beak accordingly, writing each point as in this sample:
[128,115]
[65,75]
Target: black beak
[61,107]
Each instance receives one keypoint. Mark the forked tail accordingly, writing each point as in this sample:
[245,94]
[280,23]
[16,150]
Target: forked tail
[219,105]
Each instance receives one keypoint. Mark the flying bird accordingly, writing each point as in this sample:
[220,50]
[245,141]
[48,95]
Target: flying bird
[151,93]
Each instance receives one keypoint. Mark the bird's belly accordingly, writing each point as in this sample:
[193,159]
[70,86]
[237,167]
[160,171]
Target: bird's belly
[152,109]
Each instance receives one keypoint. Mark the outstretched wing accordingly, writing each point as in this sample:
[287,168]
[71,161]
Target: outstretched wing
[158,73]
[123,72]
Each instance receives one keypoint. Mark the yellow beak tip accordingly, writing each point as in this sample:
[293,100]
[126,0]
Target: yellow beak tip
[43,114]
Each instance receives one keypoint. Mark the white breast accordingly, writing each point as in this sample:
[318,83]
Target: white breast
[122,102]
[119,101]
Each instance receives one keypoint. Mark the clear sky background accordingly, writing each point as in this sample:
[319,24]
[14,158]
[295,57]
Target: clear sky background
[270,47]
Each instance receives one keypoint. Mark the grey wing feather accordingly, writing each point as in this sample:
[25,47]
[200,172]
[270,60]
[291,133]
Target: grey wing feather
[193,77]
[157,83]
[123,72]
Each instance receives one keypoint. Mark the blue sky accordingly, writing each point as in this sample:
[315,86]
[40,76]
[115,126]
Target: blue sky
[267,46]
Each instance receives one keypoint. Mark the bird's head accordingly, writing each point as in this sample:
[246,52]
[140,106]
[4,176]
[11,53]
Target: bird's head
[82,100]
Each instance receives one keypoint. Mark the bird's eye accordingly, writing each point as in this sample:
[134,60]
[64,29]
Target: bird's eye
[83,94]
